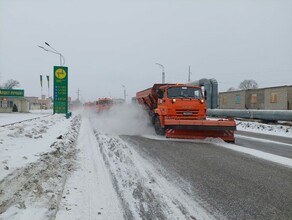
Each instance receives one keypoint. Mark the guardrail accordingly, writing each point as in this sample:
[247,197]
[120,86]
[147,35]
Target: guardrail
[266,115]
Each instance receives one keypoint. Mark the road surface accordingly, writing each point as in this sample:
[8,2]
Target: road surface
[237,185]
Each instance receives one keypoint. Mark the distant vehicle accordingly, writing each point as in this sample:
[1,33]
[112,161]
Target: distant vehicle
[104,104]
[118,101]
[179,111]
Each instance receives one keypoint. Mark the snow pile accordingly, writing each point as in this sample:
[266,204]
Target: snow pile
[36,188]
[21,143]
[280,130]
[35,131]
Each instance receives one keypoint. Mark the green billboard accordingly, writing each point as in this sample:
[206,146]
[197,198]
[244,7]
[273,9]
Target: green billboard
[11,92]
[60,89]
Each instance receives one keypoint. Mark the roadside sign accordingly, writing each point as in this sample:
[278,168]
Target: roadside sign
[12,92]
[60,89]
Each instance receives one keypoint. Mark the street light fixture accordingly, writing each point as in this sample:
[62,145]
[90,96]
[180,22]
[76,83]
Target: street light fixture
[53,51]
[163,73]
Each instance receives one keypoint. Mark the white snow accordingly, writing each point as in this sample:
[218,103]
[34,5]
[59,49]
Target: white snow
[37,181]
[89,193]
[22,143]
[86,176]
[279,130]
[7,118]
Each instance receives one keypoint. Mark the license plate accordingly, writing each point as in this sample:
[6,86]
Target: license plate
[187,113]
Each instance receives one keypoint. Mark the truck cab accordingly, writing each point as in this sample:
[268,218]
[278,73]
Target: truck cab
[104,104]
[181,102]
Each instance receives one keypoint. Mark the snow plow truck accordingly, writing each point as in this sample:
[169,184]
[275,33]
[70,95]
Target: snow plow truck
[179,111]
[104,104]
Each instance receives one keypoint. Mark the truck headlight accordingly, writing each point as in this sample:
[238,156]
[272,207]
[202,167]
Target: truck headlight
[173,100]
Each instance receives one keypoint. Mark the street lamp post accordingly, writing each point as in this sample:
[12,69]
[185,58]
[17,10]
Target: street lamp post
[125,93]
[163,73]
[60,95]
[53,50]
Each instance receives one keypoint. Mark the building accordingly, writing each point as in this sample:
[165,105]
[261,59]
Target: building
[13,100]
[37,104]
[272,98]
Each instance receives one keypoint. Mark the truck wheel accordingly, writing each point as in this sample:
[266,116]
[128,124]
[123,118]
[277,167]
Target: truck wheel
[158,129]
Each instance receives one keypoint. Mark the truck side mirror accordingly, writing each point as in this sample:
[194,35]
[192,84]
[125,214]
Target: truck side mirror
[205,95]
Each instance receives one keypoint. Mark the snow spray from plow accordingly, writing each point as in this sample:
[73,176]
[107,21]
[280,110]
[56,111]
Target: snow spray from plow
[123,120]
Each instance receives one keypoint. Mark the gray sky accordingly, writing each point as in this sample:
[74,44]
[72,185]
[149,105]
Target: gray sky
[113,42]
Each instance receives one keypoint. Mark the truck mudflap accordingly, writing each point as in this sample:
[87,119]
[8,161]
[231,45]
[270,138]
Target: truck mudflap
[200,129]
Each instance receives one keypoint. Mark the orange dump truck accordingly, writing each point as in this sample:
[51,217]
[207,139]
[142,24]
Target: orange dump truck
[104,104]
[179,111]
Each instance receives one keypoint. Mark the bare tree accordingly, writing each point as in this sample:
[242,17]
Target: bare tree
[248,84]
[10,84]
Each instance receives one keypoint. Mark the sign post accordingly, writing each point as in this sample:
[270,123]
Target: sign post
[60,89]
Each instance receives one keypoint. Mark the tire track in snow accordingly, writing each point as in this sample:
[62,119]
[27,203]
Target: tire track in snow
[89,192]
[143,191]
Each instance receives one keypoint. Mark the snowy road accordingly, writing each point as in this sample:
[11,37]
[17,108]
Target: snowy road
[268,143]
[89,193]
[237,185]
[100,167]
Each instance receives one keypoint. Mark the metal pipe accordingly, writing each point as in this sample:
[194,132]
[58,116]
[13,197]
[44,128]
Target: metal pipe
[267,115]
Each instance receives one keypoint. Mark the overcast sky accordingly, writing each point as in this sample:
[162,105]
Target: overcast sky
[110,43]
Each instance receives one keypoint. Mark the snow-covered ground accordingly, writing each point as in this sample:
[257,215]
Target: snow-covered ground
[78,168]
[36,157]
[7,118]
[279,130]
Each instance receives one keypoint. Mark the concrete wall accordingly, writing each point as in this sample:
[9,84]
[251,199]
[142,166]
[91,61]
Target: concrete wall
[255,99]
[289,97]
[232,100]
[276,98]
[36,104]
[22,105]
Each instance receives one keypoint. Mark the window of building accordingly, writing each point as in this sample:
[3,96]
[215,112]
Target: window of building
[253,99]
[10,104]
[237,99]
[273,97]
[4,103]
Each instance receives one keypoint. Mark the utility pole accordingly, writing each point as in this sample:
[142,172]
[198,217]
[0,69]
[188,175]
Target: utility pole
[48,81]
[78,93]
[125,92]
[189,79]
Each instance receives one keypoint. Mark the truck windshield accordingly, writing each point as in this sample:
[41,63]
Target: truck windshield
[105,102]
[184,92]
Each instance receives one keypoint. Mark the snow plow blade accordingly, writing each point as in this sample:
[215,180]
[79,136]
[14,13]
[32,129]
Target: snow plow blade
[200,129]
